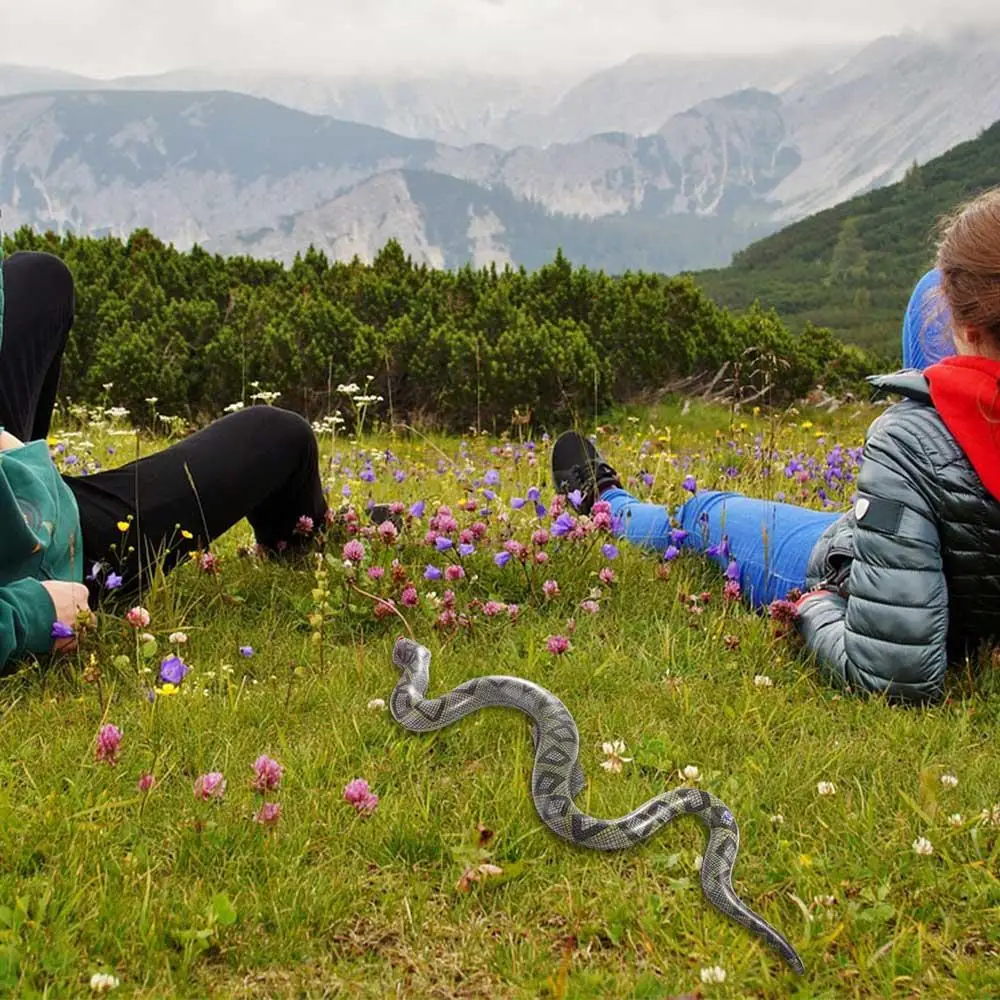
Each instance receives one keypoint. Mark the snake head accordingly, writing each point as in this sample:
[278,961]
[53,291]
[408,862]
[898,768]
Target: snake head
[406,654]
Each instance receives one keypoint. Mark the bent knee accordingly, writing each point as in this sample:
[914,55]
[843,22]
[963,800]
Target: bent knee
[272,423]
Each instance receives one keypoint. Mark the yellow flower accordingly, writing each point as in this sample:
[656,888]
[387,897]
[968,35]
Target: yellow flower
[167,689]
[186,534]
[805,860]
[806,424]
[123,525]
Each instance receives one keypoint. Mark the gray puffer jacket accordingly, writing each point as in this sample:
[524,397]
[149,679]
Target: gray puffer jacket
[914,569]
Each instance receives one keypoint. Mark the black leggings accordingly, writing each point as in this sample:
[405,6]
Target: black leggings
[260,463]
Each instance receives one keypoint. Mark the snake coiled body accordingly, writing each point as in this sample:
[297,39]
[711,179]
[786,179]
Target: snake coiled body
[557,779]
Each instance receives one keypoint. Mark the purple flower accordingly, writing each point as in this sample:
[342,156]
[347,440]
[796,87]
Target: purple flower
[267,774]
[518,502]
[246,651]
[268,814]
[502,558]
[60,630]
[690,484]
[173,670]
[417,510]
[671,553]
[609,551]
[210,786]
[534,495]
[733,571]
[109,741]
[465,549]
[677,535]
[95,571]
[442,544]
[563,525]
[647,479]
[492,478]
[575,498]
[113,582]
[432,573]
[367,474]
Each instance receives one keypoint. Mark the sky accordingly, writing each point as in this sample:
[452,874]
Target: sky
[108,38]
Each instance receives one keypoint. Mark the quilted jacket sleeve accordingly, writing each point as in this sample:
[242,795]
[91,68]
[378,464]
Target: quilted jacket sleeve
[890,634]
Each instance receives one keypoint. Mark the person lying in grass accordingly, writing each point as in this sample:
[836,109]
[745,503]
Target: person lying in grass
[909,580]
[260,463]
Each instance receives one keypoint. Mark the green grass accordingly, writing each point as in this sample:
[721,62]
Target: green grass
[182,898]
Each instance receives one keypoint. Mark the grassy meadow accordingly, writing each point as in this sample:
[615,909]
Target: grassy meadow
[887,887]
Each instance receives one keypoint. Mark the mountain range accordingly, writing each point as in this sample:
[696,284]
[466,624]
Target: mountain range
[663,163]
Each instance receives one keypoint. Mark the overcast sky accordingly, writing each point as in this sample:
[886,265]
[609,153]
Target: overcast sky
[113,37]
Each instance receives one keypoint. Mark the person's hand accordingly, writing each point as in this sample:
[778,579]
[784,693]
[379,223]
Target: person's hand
[69,600]
[8,441]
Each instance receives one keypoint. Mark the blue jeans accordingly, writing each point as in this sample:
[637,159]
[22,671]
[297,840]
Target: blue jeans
[770,542]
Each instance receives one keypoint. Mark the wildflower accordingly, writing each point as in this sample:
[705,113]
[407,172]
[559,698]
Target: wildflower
[513,610]
[477,873]
[614,751]
[541,538]
[166,690]
[376,704]
[432,573]
[493,608]
[732,643]
[123,526]
[991,816]
[826,788]
[923,847]
[733,571]
[113,581]
[410,598]
[388,532]
[955,819]
[607,576]
[177,638]
[246,651]
[563,525]
[304,525]
[502,558]
[591,607]
[492,478]
[210,786]
[575,498]
[541,558]
[109,741]
[732,591]
[777,819]
[466,549]
[454,572]
[557,644]
[691,485]
[609,551]
[353,551]
[375,572]
[442,544]
[763,681]
[267,773]
[417,509]
[949,781]
[173,670]
[60,630]
[137,617]
[783,611]
[550,588]
[671,553]
[103,982]
[690,773]
[517,502]
[145,783]
[359,795]
[268,814]
[209,562]
[715,973]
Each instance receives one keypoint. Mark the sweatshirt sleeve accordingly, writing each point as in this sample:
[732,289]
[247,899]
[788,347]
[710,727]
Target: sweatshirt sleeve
[26,617]
[889,635]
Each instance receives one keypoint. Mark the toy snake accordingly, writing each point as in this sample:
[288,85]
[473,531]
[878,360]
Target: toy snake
[557,779]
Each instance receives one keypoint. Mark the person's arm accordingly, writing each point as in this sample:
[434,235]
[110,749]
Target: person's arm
[28,610]
[8,441]
[890,634]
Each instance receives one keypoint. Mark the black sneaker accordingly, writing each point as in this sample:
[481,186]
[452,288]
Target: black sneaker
[577,465]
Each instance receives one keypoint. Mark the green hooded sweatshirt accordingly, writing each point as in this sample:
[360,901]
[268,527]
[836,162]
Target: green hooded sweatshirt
[39,540]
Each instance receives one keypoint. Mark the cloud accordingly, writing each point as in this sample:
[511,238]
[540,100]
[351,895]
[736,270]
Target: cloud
[112,37]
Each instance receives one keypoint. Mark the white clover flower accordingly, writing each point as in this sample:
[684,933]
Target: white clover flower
[376,704]
[949,781]
[777,819]
[991,816]
[713,974]
[955,819]
[826,788]
[763,681]
[923,846]
[690,773]
[177,638]
[103,982]
[614,752]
